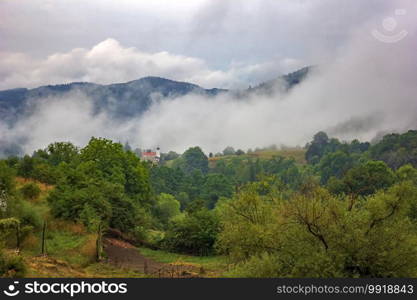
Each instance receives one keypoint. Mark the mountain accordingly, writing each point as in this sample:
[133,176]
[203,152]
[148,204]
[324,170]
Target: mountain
[121,99]
[283,83]
[125,100]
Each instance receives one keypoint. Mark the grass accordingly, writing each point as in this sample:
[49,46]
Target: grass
[71,250]
[298,154]
[20,181]
[65,241]
[216,265]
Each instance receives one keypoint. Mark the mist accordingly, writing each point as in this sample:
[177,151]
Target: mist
[366,88]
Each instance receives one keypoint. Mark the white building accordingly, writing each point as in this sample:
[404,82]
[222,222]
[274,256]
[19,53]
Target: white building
[152,156]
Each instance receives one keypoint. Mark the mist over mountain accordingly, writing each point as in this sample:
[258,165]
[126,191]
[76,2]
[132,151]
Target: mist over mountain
[126,100]
[121,100]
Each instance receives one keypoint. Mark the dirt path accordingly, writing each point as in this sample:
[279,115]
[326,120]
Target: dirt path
[124,255]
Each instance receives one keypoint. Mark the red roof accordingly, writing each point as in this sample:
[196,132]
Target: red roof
[149,154]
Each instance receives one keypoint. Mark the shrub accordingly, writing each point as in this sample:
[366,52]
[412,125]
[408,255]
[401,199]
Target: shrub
[12,266]
[194,233]
[6,178]
[31,191]
[320,235]
[166,208]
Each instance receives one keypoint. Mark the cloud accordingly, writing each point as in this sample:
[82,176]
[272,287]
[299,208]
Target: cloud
[109,62]
[364,88]
[221,43]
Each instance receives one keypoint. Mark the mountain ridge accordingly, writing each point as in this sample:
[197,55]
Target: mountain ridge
[132,97]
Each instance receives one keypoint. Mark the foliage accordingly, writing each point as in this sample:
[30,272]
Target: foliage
[350,211]
[322,144]
[30,190]
[7,174]
[240,152]
[171,155]
[167,207]
[58,152]
[397,149]
[334,164]
[229,151]
[407,172]
[216,186]
[365,179]
[107,185]
[194,159]
[318,235]
[12,266]
[193,233]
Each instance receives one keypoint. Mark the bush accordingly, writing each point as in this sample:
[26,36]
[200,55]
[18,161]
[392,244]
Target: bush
[12,266]
[30,191]
[166,208]
[6,178]
[320,235]
[28,215]
[194,233]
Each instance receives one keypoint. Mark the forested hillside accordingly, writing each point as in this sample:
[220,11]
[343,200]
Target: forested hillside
[331,209]
[123,100]
[133,97]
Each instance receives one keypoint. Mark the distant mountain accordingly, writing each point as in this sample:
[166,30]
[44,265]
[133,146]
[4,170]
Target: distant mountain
[121,99]
[124,100]
[284,83]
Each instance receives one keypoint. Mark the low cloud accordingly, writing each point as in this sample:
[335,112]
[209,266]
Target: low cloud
[369,87]
[109,62]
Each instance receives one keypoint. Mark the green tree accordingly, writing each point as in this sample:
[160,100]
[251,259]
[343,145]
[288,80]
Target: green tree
[367,178]
[240,152]
[319,235]
[108,185]
[407,172]
[216,186]
[229,151]
[334,164]
[57,153]
[25,166]
[167,207]
[194,233]
[31,190]
[7,183]
[195,159]
[396,150]
[317,147]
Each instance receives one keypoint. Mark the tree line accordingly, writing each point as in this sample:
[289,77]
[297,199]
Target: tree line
[349,211]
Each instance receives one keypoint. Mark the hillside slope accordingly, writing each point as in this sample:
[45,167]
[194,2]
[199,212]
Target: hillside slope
[121,99]
[124,100]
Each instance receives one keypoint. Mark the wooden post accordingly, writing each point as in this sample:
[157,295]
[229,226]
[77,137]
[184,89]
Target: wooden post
[202,271]
[43,237]
[145,267]
[18,236]
[98,243]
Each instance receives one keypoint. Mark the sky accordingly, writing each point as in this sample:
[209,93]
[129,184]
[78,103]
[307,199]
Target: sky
[365,83]
[213,43]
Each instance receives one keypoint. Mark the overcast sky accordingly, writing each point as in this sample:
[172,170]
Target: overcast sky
[365,85]
[214,43]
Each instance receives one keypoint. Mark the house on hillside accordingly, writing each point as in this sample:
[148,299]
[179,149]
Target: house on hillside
[152,156]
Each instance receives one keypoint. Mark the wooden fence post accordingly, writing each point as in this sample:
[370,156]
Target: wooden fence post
[99,243]
[145,267]
[18,236]
[43,238]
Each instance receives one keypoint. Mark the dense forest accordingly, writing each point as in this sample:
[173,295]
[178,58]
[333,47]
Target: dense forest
[331,209]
